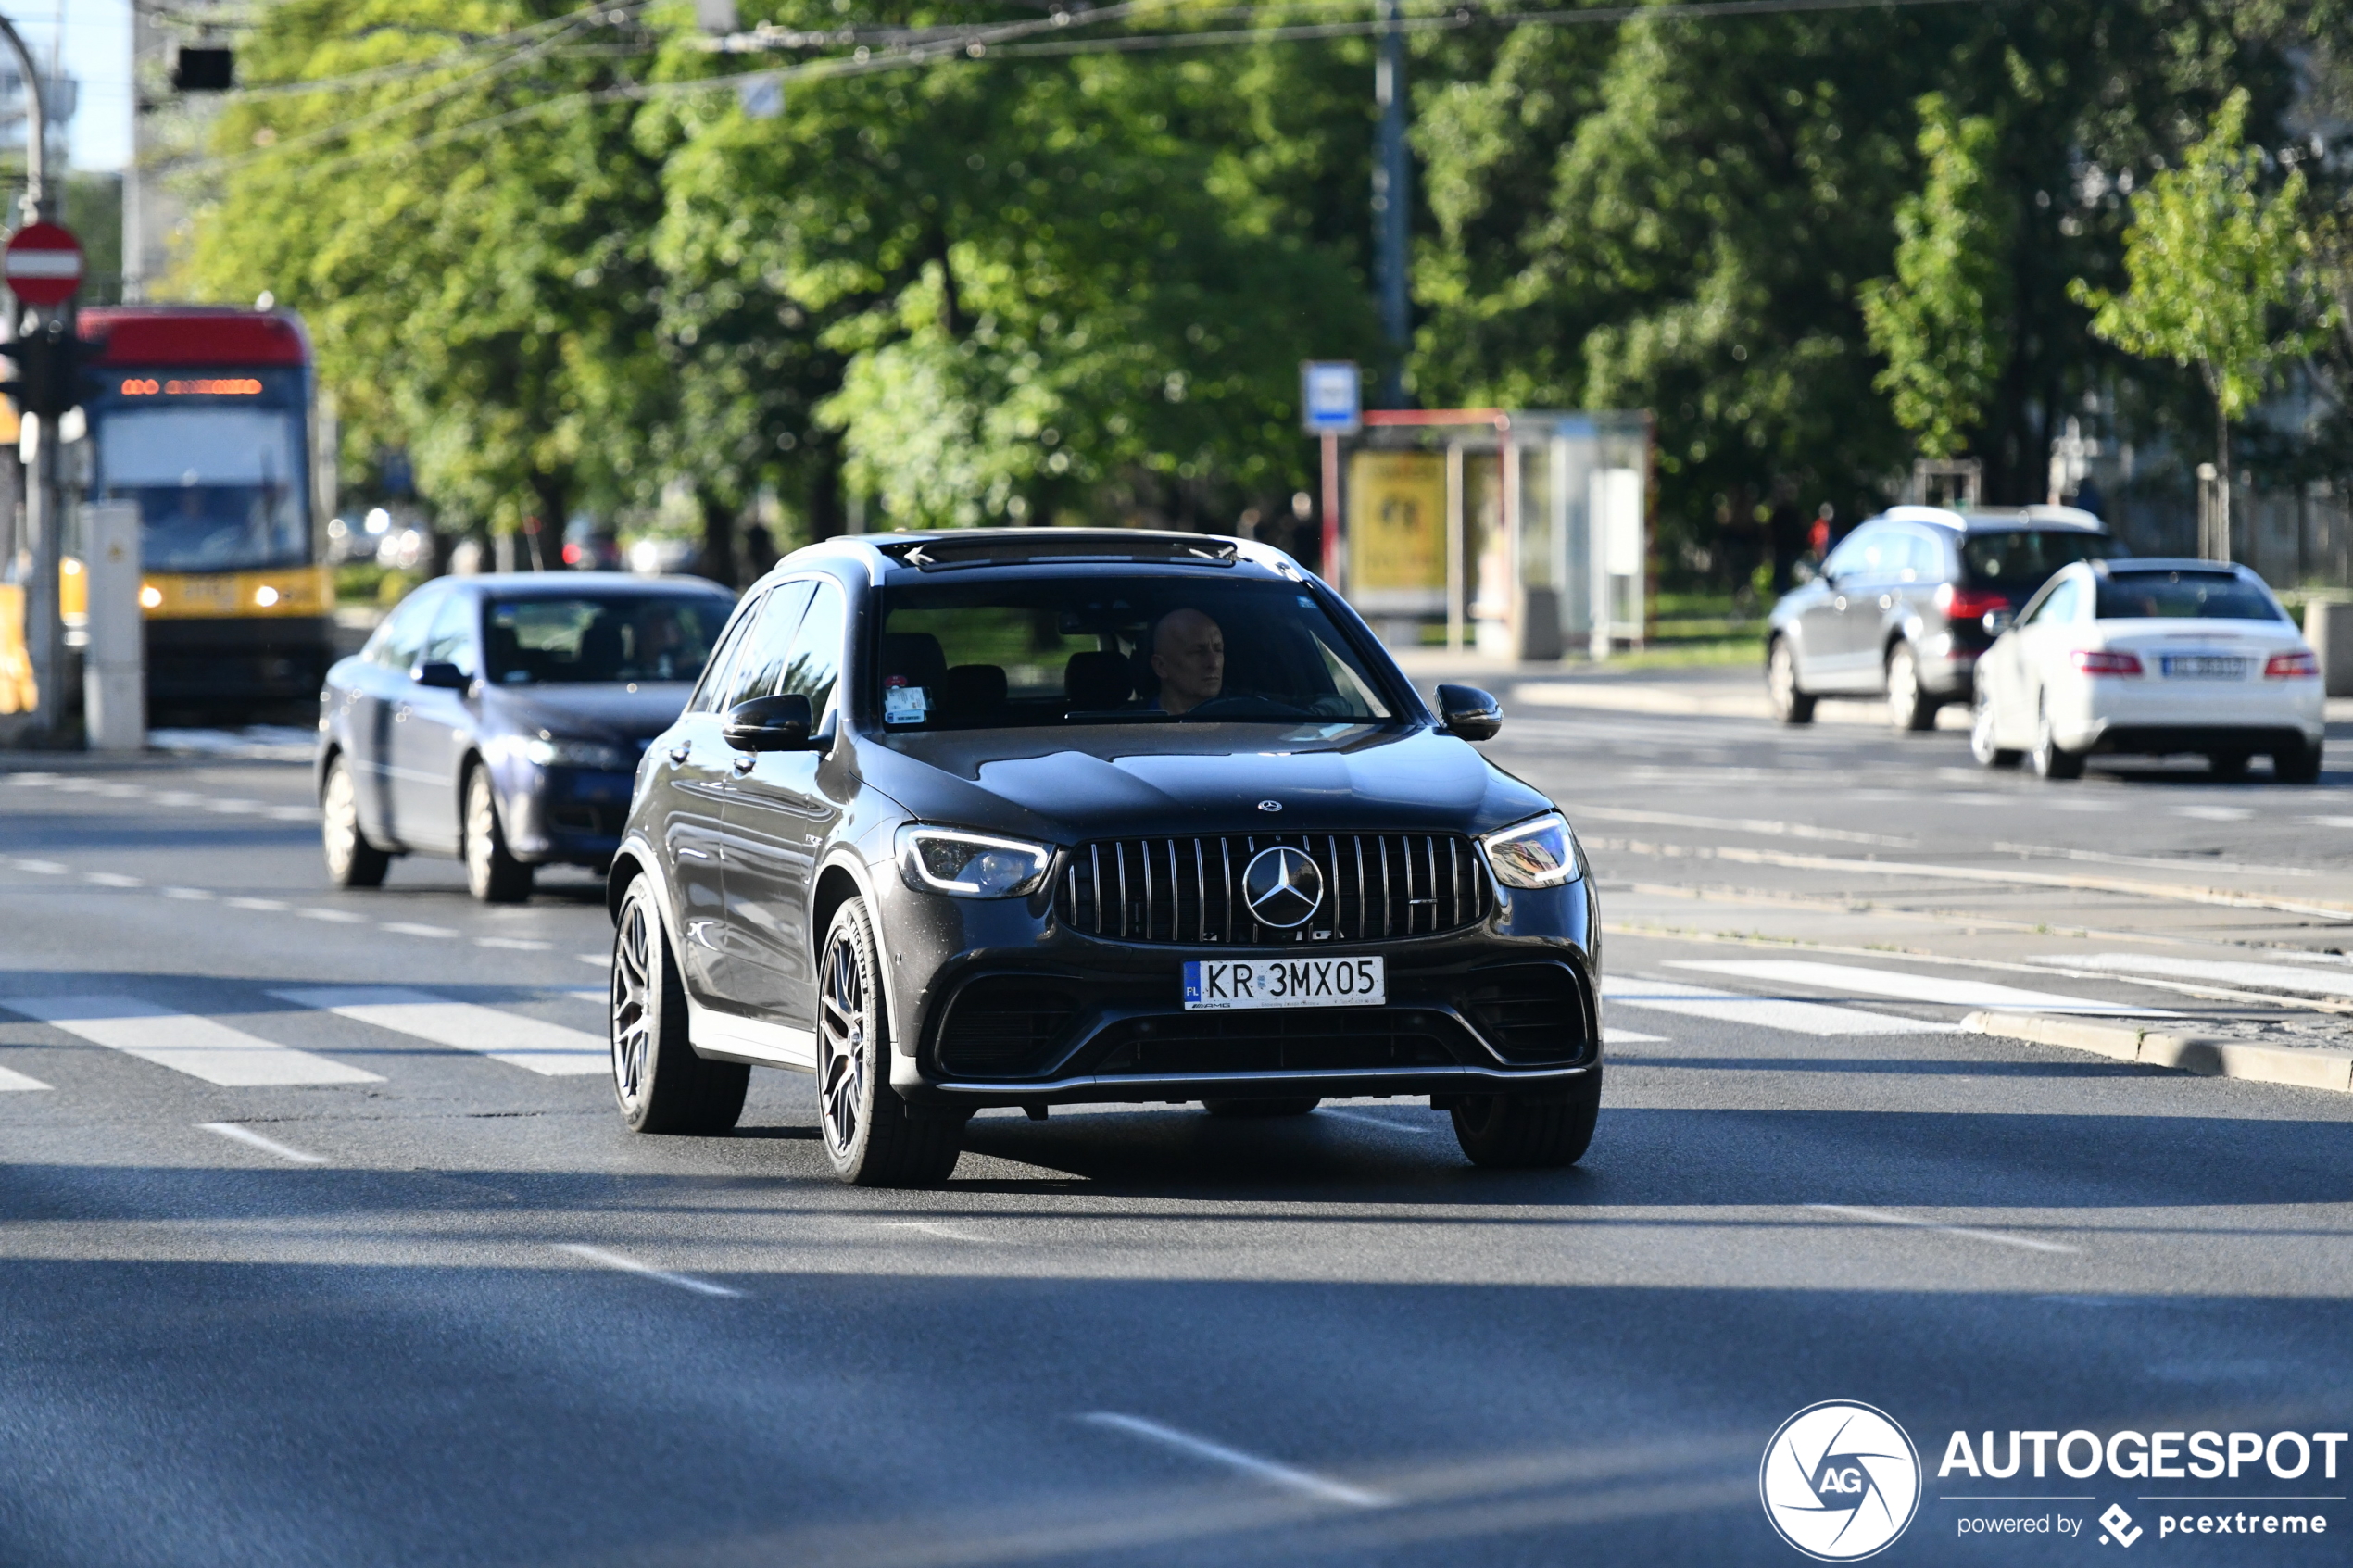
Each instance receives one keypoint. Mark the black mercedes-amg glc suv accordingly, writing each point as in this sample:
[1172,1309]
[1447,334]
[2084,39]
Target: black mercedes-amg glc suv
[1043,816]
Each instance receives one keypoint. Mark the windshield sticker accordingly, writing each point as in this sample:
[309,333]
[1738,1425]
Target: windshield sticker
[904,704]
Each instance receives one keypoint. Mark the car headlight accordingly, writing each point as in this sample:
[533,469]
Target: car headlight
[1541,853]
[555,752]
[971,865]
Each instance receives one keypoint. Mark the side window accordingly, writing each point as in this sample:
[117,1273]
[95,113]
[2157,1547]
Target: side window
[451,641]
[769,643]
[2059,606]
[1923,558]
[813,667]
[402,637]
[1847,560]
[721,669]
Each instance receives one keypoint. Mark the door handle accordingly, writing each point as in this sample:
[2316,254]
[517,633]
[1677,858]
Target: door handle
[680,752]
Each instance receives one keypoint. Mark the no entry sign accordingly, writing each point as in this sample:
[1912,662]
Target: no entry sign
[43,264]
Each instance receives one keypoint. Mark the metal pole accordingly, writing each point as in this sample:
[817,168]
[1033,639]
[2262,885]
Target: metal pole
[1392,206]
[44,500]
[1330,562]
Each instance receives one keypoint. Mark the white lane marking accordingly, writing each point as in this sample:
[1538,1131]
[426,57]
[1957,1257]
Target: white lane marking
[602,961]
[178,798]
[1883,1217]
[2214,813]
[267,1146]
[1763,1012]
[36,778]
[293,814]
[1301,1481]
[236,808]
[520,944]
[929,1229]
[190,893]
[112,879]
[1631,1037]
[11,1080]
[271,904]
[42,868]
[2275,976]
[1383,1122]
[1905,987]
[185,1042]
[341,917]
[547,1048]
[2330,821]
[629,1265]
[410,928]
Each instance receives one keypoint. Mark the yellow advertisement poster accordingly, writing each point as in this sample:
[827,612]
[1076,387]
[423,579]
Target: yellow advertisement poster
[16,693]
[1397,530]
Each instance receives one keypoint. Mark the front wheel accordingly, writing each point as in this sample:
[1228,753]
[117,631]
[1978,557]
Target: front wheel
[1791,704]
[1982,743]
[1908,708]
[1529,1131]
[659,1083]
[869,1133]
[492,874]
[352,861]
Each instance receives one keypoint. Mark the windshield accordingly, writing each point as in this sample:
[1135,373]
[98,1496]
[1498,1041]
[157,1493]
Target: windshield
[1113,651]
[538,640]
[2184,595]
[217,489]
[2020,560]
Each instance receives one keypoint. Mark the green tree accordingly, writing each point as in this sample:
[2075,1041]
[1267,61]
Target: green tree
[1942,322]
[2217,274]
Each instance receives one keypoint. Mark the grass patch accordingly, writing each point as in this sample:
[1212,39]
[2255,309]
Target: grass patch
[365,583]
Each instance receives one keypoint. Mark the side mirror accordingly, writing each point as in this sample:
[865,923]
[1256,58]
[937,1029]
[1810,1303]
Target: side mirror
[1998,622]
[441,676]
[769,723]
[1468,713]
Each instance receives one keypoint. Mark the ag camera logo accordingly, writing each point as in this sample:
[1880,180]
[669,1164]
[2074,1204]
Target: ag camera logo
[1840,1481]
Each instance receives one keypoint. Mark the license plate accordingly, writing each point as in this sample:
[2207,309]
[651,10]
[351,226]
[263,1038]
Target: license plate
[2202,667]
[1219,984]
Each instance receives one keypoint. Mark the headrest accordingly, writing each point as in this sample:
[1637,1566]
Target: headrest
[1096,680]
[916,656]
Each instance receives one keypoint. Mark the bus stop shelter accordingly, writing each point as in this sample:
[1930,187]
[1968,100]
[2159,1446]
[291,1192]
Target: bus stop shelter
[1525,534]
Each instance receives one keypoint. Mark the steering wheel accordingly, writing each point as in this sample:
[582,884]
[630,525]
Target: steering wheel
[1245,705]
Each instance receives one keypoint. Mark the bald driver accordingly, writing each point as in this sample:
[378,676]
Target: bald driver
[1189,654]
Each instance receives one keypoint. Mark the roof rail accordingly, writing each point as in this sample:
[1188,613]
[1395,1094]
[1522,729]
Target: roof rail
[1010,546]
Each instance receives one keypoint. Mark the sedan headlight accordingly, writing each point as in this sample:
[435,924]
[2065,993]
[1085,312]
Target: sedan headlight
[971,865]
[1541,853]
[550,751]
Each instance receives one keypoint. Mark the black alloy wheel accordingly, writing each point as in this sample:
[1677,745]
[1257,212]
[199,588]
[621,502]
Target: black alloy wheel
[1791,704]
[2296,765]
[659,1082]
[870,1133]
[1251,1109]
[352,861]
[2053,760]
[1908,708]
[1530,1131]
[1982,743]
[493,875]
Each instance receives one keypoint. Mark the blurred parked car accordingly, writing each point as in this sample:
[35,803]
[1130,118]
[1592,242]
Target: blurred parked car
[501,719]
[2152,656]
[590,546]
[1899,609]
[664,557]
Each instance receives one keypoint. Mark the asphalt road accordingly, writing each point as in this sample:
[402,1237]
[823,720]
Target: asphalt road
[416,1297]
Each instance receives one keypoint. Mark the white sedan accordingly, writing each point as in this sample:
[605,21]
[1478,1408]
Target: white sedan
[2153,658]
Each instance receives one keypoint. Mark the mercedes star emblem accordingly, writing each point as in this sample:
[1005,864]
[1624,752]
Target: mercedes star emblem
[1270,805]
[1283,888]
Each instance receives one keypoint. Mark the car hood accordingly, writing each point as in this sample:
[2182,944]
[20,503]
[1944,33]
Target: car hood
[611,712]
[1078,784]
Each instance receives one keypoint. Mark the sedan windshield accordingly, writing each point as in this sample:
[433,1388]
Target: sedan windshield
[2020,560]
[617,637]
[2183,595]
[1115,650]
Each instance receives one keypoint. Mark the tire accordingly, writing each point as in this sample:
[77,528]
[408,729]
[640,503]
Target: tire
[659,1082]
[352,861]
[1252,1110]
[1908,708]
[1981,738]
[867,1130]
[1791,704]
[492,875]
[2299,766]
[2053,760]
[1529,1131]
[2229,766]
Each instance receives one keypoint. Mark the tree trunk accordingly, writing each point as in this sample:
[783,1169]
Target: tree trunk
[2222,480]
[718,537]
[825,520]
[543,538]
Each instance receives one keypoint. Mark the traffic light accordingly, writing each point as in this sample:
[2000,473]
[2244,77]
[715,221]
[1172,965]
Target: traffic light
[48,380]
[204,69]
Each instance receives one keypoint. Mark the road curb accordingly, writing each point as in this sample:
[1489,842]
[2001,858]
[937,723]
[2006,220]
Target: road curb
[2207,1055]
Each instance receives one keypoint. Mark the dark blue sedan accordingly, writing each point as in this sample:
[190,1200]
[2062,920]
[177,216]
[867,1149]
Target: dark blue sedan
[501,720]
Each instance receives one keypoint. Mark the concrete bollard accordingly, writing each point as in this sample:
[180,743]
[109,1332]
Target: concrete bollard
[2328,626]
[114,678]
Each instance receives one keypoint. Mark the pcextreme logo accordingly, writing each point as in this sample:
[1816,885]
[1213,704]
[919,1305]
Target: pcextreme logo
[1840,1481]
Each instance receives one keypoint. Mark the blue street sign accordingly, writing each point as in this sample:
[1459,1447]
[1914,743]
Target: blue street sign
[1328,397]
